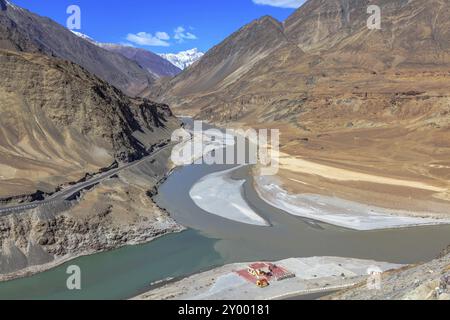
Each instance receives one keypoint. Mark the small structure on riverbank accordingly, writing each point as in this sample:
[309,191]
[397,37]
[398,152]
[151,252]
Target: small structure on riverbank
[267,272]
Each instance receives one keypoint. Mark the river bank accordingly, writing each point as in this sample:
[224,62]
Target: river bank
[340,212]
[308,189]
[212,240]
[147,234]
[308,276]
[120,273]
[221,195]
[115,213]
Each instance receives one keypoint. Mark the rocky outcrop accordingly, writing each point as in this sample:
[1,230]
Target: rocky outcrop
[428,281]
[29,240]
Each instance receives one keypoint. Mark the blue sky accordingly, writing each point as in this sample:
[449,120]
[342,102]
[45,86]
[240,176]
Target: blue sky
[162,26]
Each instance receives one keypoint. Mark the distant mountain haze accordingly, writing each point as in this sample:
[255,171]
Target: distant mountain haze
[150,61]
[153,63]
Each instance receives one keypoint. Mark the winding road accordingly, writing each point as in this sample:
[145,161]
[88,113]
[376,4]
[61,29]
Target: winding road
[70,191]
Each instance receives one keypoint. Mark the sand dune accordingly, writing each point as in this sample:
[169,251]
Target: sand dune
[304,166]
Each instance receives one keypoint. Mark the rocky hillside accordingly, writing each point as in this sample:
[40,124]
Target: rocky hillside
[412,32]
[115,213]
[227,62]
[58,122]
[428,281]
[61,122]
[324,48]
[24,31]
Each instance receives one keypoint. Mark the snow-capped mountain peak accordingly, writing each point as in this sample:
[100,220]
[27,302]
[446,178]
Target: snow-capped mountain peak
[183,59]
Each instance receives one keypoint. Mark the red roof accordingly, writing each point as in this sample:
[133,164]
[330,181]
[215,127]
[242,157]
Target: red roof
[259,265]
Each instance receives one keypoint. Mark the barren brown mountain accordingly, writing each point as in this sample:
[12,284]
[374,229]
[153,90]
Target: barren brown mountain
[227,62]
[58,122]
[22,30]
[360,106]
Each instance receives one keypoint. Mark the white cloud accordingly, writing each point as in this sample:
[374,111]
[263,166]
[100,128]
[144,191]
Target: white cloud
[147,39]
[181,35]
[281,3]
[162,35]
[160,38]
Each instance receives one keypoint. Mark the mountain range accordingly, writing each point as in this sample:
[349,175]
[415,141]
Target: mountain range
[153,63]
[68,116]
[320,42]
[160,65]
[364,117]
[343,94]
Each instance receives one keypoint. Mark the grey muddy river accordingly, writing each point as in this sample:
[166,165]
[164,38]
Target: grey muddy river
[212,241]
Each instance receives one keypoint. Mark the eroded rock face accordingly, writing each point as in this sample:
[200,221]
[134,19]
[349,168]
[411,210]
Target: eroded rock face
[59,122]
[67,97]
[28,240]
